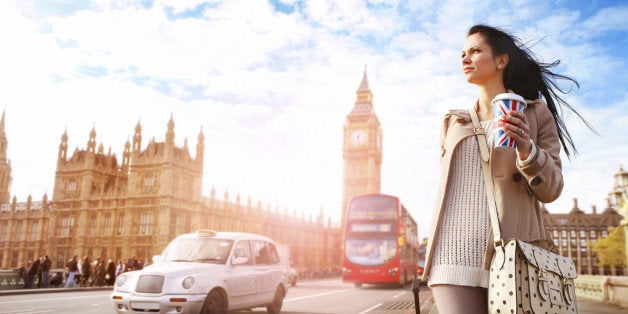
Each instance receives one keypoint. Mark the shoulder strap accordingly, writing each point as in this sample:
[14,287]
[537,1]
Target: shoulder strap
[488,181]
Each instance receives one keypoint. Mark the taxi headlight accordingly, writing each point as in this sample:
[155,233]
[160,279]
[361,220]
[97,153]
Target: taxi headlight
[188,282]
[121,280]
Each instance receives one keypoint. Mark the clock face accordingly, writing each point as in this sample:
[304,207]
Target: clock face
[358,137]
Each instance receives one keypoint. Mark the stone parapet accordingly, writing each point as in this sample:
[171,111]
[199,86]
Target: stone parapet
[608,289]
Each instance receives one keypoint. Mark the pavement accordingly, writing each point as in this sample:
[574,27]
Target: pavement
[405,305]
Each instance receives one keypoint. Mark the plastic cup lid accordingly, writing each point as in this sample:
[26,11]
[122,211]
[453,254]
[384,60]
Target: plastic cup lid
[509,96]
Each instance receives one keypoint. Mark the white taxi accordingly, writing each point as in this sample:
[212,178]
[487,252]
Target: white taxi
[206,272]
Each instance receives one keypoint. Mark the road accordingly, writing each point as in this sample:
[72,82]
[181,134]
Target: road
[321,296]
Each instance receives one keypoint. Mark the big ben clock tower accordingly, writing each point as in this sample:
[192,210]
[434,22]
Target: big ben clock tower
[361,148]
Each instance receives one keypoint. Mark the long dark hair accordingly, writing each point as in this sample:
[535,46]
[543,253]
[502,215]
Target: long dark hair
[528,77]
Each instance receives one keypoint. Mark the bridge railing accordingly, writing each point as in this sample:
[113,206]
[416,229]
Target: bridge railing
[608,289]
[10,280]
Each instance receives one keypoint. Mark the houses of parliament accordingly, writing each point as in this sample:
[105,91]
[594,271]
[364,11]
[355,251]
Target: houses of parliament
[118,209]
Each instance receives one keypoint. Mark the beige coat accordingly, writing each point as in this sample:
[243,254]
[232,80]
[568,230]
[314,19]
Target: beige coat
[518,190]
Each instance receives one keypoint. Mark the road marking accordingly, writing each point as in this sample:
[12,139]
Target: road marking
[27,311]
[317,295]
[371,308]
[52,299]
[399,294]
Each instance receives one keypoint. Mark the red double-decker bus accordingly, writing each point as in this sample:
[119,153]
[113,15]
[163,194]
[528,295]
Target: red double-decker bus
[380,241]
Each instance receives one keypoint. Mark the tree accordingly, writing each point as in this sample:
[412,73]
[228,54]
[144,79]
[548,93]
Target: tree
[611,251]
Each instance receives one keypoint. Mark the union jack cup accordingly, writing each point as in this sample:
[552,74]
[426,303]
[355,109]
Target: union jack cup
[502,104]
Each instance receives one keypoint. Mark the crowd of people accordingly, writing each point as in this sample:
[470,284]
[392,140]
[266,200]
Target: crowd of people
[78,272]
[85,272]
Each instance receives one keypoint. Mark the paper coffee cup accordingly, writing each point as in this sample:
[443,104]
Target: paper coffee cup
[502,104]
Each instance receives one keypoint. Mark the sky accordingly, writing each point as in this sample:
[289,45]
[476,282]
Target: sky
[270,84]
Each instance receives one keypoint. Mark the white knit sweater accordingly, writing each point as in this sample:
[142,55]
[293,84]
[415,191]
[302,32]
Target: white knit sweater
[462,237]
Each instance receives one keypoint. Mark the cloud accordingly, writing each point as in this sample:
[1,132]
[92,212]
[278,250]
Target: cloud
[611,19]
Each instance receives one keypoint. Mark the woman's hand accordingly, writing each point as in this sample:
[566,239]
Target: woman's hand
[516,126]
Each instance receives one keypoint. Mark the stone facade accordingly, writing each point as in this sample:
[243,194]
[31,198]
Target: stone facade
[575,232]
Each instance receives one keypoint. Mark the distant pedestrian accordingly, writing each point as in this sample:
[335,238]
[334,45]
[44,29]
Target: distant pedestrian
[56,280]
[39,274]
[131,264]
[72,267]
[101,272]
[119,268]
[87,271]
[32,272]
[111,273]
[46,264]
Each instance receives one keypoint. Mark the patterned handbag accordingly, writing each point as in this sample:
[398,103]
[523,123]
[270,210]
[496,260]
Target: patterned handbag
[524,278]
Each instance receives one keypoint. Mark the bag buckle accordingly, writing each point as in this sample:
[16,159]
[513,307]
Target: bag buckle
[478,130]
[500,243]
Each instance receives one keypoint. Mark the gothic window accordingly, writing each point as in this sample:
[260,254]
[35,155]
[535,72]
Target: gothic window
[67,224]
[149,182]
[61,254]
[14,256]
[146,223]
[175,185]
[107,225]
[92,226]
[121,224]
[173,225]
[72,185]
[34,234]
[4,232]
[18,231]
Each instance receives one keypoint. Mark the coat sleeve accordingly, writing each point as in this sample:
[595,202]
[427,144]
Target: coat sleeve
[544,173]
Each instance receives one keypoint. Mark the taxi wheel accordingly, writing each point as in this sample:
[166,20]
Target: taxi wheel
[214,304]
[275,306]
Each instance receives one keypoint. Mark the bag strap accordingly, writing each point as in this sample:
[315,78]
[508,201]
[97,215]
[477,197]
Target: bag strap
[488,181]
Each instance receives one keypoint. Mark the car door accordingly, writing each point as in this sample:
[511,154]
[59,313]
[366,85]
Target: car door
[241,282]
[268,269]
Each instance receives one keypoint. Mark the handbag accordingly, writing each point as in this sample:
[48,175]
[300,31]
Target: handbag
[524,278]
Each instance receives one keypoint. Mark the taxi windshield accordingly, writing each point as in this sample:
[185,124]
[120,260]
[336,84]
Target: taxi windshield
[204,250]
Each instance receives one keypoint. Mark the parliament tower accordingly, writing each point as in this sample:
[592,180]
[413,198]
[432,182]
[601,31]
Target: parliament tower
[5,166]
[362,148]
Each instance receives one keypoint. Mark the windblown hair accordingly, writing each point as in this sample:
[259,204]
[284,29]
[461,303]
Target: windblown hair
[530,78]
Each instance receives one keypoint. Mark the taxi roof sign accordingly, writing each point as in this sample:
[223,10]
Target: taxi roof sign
[206,233]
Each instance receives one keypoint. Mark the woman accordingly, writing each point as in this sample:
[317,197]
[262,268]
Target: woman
[459,251]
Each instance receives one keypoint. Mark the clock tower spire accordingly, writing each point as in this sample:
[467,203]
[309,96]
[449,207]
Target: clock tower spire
[362,148]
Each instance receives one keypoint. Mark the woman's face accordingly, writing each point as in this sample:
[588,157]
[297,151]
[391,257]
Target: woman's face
[479,65]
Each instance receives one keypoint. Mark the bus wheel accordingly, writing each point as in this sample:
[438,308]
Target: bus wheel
[357,284]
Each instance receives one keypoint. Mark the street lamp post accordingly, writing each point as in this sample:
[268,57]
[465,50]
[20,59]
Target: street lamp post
[619,199]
